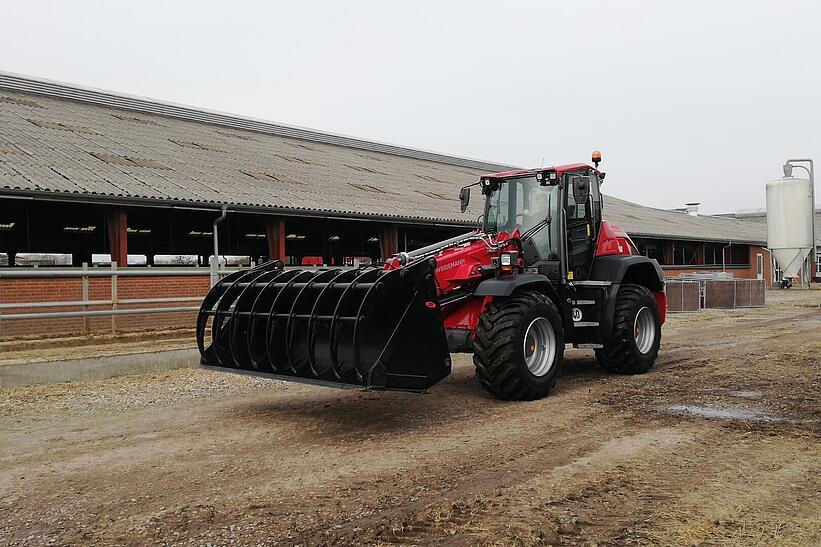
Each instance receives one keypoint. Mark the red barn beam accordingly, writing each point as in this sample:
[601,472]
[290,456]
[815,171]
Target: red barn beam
[388,240]
[275,232]
[118,236]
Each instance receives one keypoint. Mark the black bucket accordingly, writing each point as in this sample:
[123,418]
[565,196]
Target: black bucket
[365,327]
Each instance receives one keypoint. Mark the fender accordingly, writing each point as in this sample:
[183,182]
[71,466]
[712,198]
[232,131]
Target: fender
[504,286]
[629,269]
[636,269]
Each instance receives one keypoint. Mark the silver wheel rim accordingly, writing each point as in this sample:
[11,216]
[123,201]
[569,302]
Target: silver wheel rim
[539,346]
[644,330]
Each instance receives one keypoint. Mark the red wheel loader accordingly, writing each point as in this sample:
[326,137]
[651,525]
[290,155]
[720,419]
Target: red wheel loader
[542,271]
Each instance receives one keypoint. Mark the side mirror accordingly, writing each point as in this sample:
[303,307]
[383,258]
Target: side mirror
[464,198]
[581,188]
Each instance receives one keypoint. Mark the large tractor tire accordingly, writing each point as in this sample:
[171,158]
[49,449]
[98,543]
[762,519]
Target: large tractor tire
[634,345]
[519,346]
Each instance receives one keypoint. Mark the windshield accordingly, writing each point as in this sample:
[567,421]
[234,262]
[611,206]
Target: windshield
[522,203]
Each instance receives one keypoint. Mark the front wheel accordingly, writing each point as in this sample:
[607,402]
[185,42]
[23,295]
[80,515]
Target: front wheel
[519,346]
[634,345]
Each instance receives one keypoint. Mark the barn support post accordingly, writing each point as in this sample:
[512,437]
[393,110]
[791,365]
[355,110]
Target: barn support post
[275,235]
[215,260]
[388,240]
[669,252]
[118,236]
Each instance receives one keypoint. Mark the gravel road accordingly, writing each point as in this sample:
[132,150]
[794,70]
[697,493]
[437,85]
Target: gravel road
[718,444]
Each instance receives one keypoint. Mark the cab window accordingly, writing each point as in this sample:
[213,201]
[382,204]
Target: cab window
[595,192]
[576,212]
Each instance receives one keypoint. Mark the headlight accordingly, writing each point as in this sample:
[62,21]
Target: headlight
[506,259]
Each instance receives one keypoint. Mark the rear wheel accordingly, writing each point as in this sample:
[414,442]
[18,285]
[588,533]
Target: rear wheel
[634,345]
[519,347]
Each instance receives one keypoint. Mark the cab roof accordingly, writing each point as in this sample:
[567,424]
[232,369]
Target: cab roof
[559,169]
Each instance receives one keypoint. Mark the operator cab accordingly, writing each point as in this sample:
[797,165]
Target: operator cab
[557,212]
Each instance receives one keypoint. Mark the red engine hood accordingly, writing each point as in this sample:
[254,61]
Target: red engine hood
[613,240]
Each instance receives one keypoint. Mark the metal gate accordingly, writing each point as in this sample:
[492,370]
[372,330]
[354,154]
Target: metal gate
[683,296]
[689,294]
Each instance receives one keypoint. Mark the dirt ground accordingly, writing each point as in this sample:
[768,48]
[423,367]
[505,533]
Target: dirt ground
[718,444]
[59,348]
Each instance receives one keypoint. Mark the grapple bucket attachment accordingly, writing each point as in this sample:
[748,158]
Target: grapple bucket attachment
[366,327]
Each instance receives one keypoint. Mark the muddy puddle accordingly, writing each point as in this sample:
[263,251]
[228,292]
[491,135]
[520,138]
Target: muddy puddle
[726,413]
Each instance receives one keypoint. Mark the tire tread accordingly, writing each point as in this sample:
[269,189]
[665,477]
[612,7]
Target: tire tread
[495,350]
[617,355]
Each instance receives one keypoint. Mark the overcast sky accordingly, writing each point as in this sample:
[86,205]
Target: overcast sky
[688,101]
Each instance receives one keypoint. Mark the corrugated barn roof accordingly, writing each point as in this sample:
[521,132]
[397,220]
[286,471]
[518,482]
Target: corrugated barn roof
[65,141]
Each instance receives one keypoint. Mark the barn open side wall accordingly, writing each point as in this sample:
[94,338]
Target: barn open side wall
[678,257]
[177,236]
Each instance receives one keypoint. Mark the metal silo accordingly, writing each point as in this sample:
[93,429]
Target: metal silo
[790,222]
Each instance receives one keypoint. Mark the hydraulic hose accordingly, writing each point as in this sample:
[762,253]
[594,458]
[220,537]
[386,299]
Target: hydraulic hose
[429,250]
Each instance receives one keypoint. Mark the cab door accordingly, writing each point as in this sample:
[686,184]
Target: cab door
[582,220]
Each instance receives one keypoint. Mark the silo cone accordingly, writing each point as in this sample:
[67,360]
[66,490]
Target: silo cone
[366,327]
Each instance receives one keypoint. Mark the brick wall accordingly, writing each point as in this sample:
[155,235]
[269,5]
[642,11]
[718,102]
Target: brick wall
[51,290]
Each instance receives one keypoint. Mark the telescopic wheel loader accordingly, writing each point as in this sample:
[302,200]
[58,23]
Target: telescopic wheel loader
[543,270]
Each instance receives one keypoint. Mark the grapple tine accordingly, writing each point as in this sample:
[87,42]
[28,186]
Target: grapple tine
[291,345]
[360,318]
[241,318]
[253,338]
[312,324]
[223,313]
[208,309]
[336,328]
[273,322]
